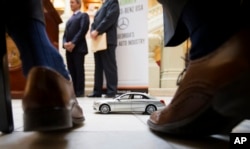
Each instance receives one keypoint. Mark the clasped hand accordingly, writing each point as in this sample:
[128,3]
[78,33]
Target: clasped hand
[69,46]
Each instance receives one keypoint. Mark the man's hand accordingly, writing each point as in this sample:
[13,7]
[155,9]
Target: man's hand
[69,46]
[94,34]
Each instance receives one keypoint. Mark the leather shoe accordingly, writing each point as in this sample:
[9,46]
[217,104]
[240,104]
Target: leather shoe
[110,96]
[80,95]
[94,95]
[192,110]
[49,102]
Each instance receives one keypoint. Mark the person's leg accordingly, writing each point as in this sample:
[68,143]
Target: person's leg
[98,80]
[110,70]
[71,67]
[219,58]
[238,105]
[79,74]
[35,47]
[206,35]
[49,101]
[208,29]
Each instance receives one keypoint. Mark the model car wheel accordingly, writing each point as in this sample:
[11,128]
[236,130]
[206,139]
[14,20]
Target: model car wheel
[150,109]
[104,109]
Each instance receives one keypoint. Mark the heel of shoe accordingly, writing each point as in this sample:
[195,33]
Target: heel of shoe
[234,98]
[47,119]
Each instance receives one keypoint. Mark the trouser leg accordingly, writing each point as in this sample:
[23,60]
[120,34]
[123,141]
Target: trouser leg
[110,69]
[35,47]
[210,24]
[98,80]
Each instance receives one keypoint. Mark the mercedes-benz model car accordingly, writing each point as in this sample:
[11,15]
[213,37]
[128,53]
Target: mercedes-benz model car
[129,102]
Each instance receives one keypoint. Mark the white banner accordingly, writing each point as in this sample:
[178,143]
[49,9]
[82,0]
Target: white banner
[132,49]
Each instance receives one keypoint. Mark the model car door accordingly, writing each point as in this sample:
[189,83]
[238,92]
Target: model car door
[138,103]
[123,103]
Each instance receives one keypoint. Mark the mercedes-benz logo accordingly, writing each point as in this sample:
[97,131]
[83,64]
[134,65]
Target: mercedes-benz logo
[123,23]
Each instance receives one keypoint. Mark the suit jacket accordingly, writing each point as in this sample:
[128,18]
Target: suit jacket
[76,29]
[106,19]
[175,32]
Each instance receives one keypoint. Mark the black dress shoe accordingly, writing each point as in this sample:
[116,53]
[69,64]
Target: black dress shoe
[94,95]
[110,96]
[80,95]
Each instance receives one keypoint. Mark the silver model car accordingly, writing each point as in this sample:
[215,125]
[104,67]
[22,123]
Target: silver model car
[129,102]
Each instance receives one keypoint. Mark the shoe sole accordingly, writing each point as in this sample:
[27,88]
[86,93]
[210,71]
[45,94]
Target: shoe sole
[209,121]
[93,96]
[47,119]
[78,121]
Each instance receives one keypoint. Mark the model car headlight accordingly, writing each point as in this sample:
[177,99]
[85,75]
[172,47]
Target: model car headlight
[96,103]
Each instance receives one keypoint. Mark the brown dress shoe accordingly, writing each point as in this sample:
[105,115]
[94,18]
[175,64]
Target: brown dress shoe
[191,110]
[49,102]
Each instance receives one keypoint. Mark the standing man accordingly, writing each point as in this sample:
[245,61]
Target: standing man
[74,42]
[105,21]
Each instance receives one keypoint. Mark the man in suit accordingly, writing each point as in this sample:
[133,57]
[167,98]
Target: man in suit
[74,42]
[105,21]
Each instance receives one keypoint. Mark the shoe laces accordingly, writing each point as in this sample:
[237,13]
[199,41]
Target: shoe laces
[183,72]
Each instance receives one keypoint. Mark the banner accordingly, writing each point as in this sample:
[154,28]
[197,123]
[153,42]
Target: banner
[132,49]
